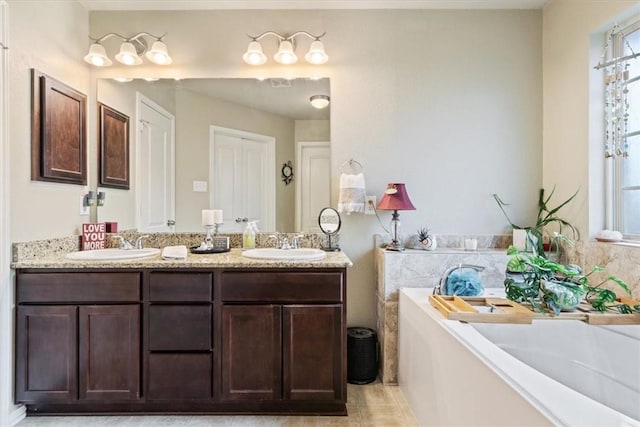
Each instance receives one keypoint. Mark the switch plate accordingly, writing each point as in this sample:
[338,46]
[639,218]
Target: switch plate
[369,207]
[200,186]
[84,210]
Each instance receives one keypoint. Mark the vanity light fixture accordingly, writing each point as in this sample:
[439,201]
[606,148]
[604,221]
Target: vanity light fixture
[130,50]
[286,49]
[319,101]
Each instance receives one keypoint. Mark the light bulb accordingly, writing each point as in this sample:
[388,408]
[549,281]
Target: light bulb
[158,54]
[316,54]
[97,56]
[285,54]
[128,54]
[254,55]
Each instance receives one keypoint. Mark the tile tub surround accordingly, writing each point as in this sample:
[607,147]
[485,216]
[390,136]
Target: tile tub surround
[618,259]
[24,251]
[421,269]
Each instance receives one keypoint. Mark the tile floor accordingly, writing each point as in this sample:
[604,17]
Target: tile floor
[374,404]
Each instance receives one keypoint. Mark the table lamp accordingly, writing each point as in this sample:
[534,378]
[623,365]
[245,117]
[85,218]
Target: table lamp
[395,199]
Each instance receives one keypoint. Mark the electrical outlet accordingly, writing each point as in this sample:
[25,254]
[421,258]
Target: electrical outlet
[84,210]
[200,186]
[370,205]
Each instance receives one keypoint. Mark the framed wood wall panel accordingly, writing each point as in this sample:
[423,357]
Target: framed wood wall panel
[113,148]
[58,131]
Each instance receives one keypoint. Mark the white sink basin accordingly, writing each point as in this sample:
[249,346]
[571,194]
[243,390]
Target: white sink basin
[301,254]
[112,254]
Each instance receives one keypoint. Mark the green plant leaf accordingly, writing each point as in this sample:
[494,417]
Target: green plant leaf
[620,283]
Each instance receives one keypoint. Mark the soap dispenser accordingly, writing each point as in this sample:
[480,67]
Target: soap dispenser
[249,235]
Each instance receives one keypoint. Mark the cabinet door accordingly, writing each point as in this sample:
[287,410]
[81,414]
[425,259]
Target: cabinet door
[251,344]
[109,352]
[313,352]
[46,354]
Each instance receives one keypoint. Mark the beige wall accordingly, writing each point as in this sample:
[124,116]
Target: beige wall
[573,37]
[312,130]
[449,102]
[192,153]
[51,37]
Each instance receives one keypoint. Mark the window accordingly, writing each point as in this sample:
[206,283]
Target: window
[622,111]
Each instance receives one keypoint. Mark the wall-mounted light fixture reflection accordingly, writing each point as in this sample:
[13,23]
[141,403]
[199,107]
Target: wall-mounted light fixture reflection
[286,49]
[94,198]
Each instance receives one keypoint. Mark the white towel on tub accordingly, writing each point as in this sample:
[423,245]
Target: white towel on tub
[174,252]
[352,193]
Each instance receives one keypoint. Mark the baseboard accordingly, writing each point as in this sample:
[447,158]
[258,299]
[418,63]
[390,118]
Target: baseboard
[17,415]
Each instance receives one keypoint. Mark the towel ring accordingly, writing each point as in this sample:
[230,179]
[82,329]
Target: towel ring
[355,166]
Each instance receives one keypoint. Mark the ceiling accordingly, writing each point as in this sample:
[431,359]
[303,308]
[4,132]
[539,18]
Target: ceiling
[309,4]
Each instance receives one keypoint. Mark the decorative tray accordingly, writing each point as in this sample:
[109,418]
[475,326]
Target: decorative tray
[480,309]
[502,310]
[197,250]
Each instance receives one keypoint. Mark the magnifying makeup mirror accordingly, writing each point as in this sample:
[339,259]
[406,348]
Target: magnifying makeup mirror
[330,222]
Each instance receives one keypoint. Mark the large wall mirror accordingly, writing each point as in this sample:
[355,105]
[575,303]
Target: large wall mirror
[221,144]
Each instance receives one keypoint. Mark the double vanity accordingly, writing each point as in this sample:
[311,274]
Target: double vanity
[215,333]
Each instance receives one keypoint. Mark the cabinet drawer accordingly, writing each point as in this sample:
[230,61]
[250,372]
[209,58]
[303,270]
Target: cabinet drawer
[283,286]
[173,287]
[78,287]
[180,376]
[179,327]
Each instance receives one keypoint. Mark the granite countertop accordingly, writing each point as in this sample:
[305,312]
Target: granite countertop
[232,259]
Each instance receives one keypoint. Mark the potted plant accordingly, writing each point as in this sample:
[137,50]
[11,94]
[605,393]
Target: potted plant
[426,239]
[550,286]
[546,216]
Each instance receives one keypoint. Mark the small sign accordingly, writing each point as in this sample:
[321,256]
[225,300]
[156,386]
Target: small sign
[94,236]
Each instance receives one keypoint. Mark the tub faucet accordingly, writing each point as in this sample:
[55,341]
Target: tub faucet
[443,280]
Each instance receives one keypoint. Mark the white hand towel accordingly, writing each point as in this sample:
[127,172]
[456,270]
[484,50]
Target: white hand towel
[352,193]
[174,252]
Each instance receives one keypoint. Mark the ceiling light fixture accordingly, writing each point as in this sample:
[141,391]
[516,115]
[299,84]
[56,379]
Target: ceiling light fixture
[286,49]
[130,50]
[319,101]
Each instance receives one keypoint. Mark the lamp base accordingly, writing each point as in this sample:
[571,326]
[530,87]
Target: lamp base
[395,246]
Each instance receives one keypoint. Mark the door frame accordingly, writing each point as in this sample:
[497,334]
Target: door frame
[9,413]
[141,99]
[298,184]
[269,222]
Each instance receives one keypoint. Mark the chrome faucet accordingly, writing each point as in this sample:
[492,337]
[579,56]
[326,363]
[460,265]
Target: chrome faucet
[443,279]
[125,244]
[139,244]
[282,241]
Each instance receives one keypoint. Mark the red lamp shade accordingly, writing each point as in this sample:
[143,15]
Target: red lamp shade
[396,198]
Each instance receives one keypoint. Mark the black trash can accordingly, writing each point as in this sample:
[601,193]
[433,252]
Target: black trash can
[362,355]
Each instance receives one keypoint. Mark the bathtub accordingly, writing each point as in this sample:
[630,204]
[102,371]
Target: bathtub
[552,372]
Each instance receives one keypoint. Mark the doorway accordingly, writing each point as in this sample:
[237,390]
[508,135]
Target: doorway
[313,188]
[241,172]
[155,194]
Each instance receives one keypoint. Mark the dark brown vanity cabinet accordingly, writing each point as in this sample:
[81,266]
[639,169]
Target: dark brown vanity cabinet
[180,336]
[78,337]
[291,348]
[206,340]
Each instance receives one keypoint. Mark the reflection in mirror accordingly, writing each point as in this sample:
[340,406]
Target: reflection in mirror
[330,222]
[217,126]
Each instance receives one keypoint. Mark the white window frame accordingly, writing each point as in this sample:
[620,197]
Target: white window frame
[616,184]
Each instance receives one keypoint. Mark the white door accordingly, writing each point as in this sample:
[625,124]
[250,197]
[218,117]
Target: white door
[313,186]
[155,160]
[242,174]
